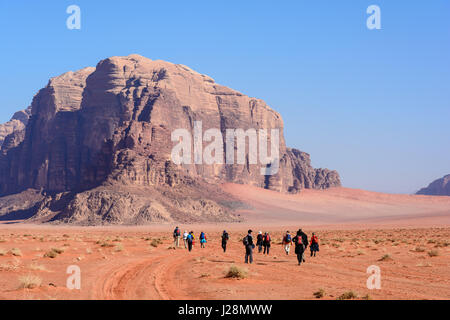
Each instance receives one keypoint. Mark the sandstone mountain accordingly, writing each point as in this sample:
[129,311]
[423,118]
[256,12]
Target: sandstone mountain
[439,187]
[17,123]
[98,146]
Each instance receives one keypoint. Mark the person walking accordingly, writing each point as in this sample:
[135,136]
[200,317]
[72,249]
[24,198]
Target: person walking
[225,238]
[314,244]
[249,246]
[190,240]
[259,241]
[185,236]
[305,242]
[287,240]
[266,243]
[202,239]
[299,247]
[176,237]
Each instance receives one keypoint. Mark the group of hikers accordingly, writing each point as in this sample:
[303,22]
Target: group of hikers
[300,242]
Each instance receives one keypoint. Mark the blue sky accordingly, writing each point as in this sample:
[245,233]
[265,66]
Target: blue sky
[372,104]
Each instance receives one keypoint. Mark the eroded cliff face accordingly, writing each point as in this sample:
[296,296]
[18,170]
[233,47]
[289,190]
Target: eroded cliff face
[439,187]
[112,125]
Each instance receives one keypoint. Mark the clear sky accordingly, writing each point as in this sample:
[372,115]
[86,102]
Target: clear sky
[372,104]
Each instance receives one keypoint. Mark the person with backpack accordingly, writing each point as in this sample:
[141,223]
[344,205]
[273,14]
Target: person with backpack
[299,247]
[249,246]
[314,244]
[202,239]
[259,241]
[287,240]
[185,236]
[225,238]
[305,242]
[190,240]
[266,243]
[176,237]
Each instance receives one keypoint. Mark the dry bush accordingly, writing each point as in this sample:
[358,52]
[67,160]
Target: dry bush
[386,257]
[419,249]
[119,247]
[29,281]
[16,252]
[236,272]
[433,253]
[348,296]
[319,294]
[53,253]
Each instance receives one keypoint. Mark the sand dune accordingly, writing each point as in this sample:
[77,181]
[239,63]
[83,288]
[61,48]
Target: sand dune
[338,206]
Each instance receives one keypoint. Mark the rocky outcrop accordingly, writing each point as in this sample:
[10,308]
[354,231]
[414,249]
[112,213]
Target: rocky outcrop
[112,125]
[439,187]
[17,123]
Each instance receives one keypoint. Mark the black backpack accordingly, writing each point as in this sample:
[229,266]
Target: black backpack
[245,241]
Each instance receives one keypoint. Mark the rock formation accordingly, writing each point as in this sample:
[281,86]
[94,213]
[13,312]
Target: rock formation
[439,187]
[17,123]
[98,133]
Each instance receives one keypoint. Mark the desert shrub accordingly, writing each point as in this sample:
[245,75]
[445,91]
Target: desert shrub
[155,242]
[119,247]
[106,245]
[53,253]
[319,294]
[3,252]
[16,252]
[386,257]
[419,249]
[348,296]
[433,253]
[366,297]
[236,273]
[29,282]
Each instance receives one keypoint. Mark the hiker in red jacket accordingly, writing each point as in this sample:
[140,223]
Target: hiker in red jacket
[314,244]
[299,246]
[266,242]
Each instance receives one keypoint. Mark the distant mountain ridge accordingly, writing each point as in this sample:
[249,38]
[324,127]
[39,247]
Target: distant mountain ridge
[439,187]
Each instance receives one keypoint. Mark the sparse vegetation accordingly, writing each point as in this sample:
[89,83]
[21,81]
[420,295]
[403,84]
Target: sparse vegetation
[433,253]
[386,257]
[29,281]
[348,296]
[16,252]
[236,272]
[419,249]
[53,253]
[155,242]
[319,294]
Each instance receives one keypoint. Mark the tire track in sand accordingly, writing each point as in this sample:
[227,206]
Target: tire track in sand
[149,279]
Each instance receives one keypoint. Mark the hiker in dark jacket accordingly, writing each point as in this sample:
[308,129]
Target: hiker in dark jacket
[259,241]
[225,239]
[249,246]
[299,246]
[266,242]
[305,242]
